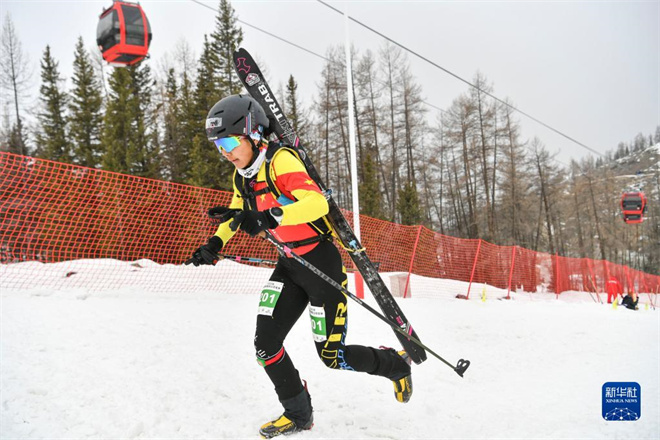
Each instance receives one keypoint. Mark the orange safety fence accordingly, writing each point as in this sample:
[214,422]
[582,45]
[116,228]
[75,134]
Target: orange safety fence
[78,224]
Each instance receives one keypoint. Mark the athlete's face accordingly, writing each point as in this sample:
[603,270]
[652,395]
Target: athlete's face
[240,156]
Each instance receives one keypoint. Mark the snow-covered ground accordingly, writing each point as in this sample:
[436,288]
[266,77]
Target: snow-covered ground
[133,363]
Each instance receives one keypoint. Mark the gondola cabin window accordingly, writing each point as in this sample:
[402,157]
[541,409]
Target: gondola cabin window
[123,34]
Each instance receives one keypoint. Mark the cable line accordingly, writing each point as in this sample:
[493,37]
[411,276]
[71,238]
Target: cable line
[414,53]
[297,46]
[265,32]
[460,78]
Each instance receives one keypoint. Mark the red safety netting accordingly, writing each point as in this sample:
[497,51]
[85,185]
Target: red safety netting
[83,222]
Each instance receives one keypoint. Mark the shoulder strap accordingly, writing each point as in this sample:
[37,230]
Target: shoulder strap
[246,192]
[273,149]
[319,225]
[249,195]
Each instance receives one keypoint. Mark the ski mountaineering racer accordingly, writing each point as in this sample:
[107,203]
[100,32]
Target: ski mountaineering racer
[273,192]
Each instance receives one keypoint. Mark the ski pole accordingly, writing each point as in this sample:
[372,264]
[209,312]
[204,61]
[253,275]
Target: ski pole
[240,259]
[460,367]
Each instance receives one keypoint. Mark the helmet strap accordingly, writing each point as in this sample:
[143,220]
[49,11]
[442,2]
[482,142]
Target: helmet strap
[255,149]
[255,139]
[258,157]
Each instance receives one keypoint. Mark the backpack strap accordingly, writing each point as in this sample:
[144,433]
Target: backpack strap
[246,192]
[273,149]
[319,225]
[249,195]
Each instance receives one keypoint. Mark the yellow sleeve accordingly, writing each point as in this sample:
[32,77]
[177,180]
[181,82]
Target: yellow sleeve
[224,232]
[290,175]
[309,207]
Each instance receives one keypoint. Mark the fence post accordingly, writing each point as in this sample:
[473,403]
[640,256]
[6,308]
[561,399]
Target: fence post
[593,279]
[642,277]
[557,276]
[474,266]
[412,260]
[513,263]
[646,287]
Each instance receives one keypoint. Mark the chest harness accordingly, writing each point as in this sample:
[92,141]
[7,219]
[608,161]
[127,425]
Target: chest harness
[249,195]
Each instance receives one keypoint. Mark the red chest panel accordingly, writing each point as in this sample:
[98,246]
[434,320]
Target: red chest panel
[285,234]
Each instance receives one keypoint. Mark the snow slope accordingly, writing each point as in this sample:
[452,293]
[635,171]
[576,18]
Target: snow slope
[132,363]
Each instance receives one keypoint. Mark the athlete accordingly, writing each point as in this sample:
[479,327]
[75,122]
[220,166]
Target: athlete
[274,193]
[614,289]
[630,301]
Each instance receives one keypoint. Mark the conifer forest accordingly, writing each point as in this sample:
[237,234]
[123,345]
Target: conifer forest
[463,171]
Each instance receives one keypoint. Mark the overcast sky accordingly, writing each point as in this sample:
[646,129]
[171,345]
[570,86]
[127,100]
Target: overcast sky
[587,68]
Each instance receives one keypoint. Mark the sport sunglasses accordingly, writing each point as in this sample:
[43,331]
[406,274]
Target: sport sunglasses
[228,143]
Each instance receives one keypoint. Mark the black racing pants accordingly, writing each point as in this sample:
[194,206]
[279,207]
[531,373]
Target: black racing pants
[290,289]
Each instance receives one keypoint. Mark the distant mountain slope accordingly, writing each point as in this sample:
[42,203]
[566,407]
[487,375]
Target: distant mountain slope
[638,169]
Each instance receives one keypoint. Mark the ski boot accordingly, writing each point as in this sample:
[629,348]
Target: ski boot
[403,386]
[298,416]
[396,367]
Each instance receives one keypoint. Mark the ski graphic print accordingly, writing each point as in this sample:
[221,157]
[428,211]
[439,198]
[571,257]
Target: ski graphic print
[256,85]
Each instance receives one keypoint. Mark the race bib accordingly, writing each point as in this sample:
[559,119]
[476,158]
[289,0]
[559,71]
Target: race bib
[269,296]
[317,315]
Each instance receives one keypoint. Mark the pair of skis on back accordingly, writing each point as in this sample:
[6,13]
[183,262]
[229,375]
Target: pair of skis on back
[250,75]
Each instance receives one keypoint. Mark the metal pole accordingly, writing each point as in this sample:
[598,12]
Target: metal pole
[412,261]
[474,266]
[513,264]
[359,287]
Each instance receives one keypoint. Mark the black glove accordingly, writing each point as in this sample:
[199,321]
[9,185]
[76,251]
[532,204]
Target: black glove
[253,222]
[222,213]
[208,253]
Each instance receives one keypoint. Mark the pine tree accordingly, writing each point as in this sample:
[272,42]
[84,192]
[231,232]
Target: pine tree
[115,138]
[371,200]
[408,205]
[639,143]
[147,148]
[127,139]
[85,117]
[16,141]
[208,168]
[189,125]
[225,39]
[294,110]
[207,89]
[175,158]
[9,134]
[10,140]
[51,136]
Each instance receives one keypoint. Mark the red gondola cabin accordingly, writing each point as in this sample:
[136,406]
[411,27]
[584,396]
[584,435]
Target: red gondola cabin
[123,33]
[633,207]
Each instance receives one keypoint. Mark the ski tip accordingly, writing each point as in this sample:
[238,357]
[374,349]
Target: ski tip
[461,366]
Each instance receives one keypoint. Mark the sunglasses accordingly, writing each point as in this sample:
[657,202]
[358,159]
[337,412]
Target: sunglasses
[228,143]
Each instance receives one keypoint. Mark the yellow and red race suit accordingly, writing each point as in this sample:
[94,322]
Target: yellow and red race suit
[301,200]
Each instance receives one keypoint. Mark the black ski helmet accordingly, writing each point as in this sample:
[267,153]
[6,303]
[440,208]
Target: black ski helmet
[235,114]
